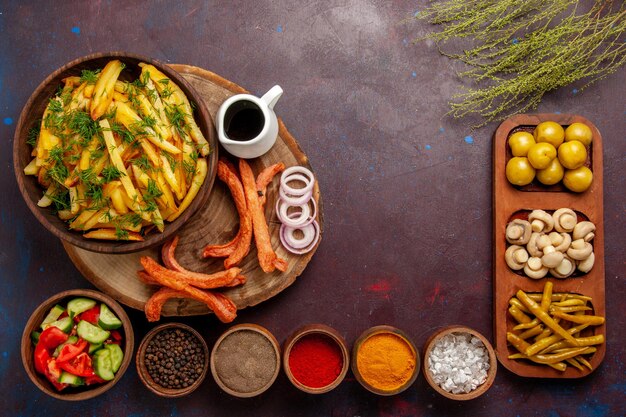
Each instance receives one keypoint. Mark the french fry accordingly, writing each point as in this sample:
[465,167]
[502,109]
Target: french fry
[176,97]
[103,90]
[112,234]
[196,183]
[31,168]
[112,148]
[125,115]
[168,174]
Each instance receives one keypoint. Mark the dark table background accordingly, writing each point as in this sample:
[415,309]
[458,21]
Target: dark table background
[407,194]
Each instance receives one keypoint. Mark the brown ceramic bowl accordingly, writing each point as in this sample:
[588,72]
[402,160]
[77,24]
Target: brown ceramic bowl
[373,331]
[316,330]
[252,328]
[142,370]
[28,349]
[31,115]
[491,373]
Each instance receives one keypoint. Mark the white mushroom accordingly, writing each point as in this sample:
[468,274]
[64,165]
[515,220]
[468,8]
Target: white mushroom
[565,243]
[564,220]
[531,246]
[516,257]
[541,221]
[586,264]
[564,269]
[518,232]
[555,238]
[584,230]
[543,241]
[551,257]
[579,250]
[534,268]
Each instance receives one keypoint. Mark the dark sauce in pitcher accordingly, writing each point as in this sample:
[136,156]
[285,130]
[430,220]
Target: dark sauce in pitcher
[243,121]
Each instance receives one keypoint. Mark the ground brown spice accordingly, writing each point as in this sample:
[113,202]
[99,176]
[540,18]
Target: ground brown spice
[245,361]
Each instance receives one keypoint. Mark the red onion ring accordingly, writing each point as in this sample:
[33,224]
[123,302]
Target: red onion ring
[288,219]
[296,219]
[286,238]
[291,174]
[295,201]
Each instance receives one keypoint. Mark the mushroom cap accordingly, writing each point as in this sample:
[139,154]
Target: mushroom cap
[518,232]
[531,246]
[586,264]
[565,219]
[564,269]
[584,230]
[565,243]
[579,250]
[552,259]
[556,238]
[538,273]
[541,221]
[543,241]
[514,256]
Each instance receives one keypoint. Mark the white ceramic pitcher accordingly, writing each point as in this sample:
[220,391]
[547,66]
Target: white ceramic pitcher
[247,126]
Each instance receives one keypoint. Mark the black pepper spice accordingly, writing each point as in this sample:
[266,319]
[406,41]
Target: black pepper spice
[166,362]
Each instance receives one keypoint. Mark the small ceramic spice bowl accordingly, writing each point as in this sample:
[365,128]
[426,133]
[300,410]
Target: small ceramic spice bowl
[245,360]
[459,363]
[172,360]
[84,387]
[315,358]
[385,360]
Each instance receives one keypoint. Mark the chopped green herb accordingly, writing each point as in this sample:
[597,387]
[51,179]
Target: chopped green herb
[33,134]
[90,77]
[111,173]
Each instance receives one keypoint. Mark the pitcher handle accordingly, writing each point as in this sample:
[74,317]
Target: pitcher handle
[271,97]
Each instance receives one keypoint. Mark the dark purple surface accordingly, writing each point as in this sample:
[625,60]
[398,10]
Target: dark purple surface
[407,195]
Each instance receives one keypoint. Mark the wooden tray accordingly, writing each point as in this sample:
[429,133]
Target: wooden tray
[217,222]
[507,200]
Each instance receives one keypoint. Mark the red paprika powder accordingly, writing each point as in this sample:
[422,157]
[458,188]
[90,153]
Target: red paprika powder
[315,360]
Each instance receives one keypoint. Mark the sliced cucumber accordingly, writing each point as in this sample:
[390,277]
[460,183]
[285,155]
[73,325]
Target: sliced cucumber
[94,347]
[78,305]
[52,316]
[91,333]
[65,324]
[102,364]
[34,336]
[70,341]
[108,320]
[73,380]
[117,356]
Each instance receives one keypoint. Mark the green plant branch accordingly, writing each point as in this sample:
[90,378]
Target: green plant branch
[522,50]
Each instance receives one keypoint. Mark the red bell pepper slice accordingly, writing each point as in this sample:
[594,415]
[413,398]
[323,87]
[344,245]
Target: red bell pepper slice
[52,337]
[116,337]
[79,366]
[70,351]
[94,379]
[91,315]
[42,356]
[53,373]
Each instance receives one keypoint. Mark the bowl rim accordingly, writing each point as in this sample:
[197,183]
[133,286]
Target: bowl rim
[379,330]
[250,327]
[316,329]
[144,376]
[26,346]
[117,247]
[491,373]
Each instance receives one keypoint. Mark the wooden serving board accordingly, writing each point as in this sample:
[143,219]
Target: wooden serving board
[215,223]
[507,201]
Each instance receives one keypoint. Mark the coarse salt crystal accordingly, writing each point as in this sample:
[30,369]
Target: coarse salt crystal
[459,362]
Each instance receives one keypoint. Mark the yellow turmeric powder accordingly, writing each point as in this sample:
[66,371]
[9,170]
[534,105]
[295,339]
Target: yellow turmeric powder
[386,361]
